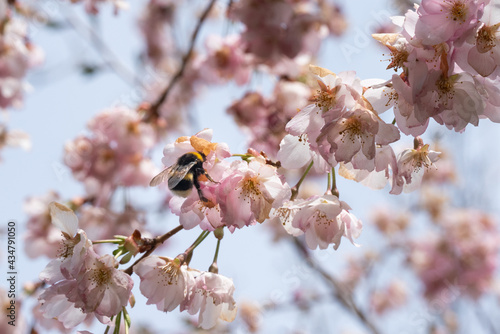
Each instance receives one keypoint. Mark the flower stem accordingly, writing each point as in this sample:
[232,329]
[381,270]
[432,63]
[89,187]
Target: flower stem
[295,190]
[126,317]
[155,243]
[334,189]
[217,251]
[197,242]
[117,323]
[107,241]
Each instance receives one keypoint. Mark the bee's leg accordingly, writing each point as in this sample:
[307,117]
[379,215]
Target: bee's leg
[198,188]
[209,177]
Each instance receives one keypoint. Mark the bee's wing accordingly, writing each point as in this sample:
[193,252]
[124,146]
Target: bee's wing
[178,173]
[161,177]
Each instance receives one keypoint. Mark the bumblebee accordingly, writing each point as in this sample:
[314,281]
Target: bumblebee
[184,174]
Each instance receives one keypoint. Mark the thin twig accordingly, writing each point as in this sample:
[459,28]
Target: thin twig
[337,287]
[156,242]
[153,112]
[110,58]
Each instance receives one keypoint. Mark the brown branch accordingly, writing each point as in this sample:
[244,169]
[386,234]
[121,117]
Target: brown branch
[154,244]
[153,111]
[339,291]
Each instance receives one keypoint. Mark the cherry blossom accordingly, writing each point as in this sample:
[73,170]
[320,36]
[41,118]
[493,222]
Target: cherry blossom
[156,27]
[194,212]
[296,152]
[447,20]
[81,282]
[353,138]
[14,138]
[412,164]
[249,191]
[391,297]
[323,220]
[335,93]
[464,256]
[17,56]
[41,237]
[277,29]
[102,288]
[165,282]
[91,6]
[226,59]
[212,296]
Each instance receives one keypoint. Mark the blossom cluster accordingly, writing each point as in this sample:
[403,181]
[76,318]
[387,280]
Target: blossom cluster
[113,154]
[341,127]
[446,53]
[17,56]
[464,255]
[334,124]
[81,282]
[168,284]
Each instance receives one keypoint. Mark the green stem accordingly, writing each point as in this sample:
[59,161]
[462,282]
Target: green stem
[295,190]
[334,189]
[197,242]
[107,241]
[216,251]
[126,317]
[117,323]
[120,252]
[329,182]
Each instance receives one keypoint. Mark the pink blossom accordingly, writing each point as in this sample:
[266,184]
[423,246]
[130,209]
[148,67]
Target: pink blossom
[265,118]
[91,6]
[465,254]
[412,164]
[113,154]
[14,138]
[122,128]
[388,222]
[54,303]
[296,152]
[41,237]
[156,27]
[17,56]
[74,247]
[80,281]
[335,94]
[249,191]
[446,20]
[484,55]
[226,59]
[164,282]
[102,288]
[461,101]
[392,297]
[323,219]
[277,29]
[101,222]
[212,296]
[353,138]
[194,212]
[384,164]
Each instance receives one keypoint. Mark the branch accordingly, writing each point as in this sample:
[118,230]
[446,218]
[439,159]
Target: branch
[339,291]
[110,59]
[153,112]
[154,244]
